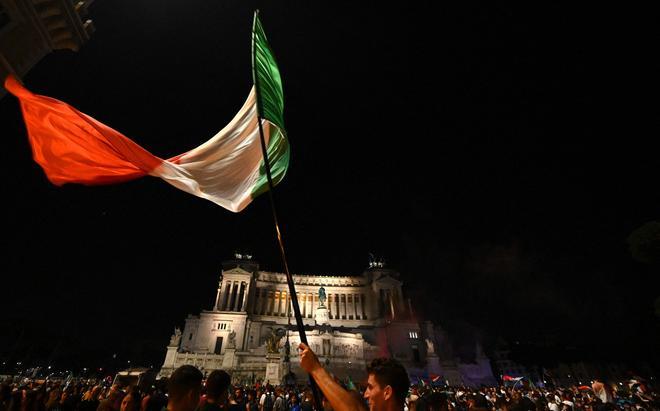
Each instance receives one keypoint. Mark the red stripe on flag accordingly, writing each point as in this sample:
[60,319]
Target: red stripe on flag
[73,147]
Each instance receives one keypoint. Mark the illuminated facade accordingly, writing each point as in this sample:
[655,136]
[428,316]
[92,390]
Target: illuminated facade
[30,29]
[349,320]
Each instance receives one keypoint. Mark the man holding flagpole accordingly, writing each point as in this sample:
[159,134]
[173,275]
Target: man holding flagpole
[387,384]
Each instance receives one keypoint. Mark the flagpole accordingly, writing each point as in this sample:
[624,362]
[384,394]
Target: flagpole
[280,242]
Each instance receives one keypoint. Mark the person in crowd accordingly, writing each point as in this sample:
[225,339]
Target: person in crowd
[53,401]
[478,402]
[387,384]
[267,400]
[521,403]
[602,391]
[131,401]
[251,403]
[112,400]
[307,401]
[567,403]
[295,406]
[413,397]
[68,400]
[148,395]
[280,401]
[217,391]
[184,389]
[17,399]
[90,399]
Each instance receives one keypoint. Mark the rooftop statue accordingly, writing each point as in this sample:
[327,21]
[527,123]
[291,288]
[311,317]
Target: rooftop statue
[322,297]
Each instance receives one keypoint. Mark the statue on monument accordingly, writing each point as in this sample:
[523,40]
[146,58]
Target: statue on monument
[272,342]
[232,339]
[322,297]
[176,337]
[430,348]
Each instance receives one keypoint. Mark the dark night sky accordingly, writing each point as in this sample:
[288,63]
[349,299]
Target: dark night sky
[469,145]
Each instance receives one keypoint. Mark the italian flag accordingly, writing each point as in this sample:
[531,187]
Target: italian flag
[229,169]
[510,378]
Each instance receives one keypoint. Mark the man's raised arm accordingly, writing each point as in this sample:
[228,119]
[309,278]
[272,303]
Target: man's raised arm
[339,398]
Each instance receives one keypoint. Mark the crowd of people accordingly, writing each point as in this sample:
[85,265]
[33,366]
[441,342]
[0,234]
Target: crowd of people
[599,397]
[386,388]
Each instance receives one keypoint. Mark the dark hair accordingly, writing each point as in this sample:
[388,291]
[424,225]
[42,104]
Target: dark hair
[217,383]
[183,380]
[388,371]
[479,401]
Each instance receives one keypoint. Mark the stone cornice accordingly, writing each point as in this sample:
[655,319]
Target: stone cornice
[316,280]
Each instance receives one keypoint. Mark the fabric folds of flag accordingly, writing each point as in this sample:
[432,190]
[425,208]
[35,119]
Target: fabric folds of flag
[228,169]
[510,378]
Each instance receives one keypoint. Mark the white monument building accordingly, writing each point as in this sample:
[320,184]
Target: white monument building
[349,320]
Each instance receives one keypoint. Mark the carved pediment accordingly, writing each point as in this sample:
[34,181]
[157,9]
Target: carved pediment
[387,280]
[236,271]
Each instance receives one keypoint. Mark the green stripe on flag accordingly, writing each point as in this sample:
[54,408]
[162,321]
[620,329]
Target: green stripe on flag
[270,102]
[278,156]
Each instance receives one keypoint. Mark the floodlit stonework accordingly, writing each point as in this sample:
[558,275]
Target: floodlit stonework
[30,29]
[349,320]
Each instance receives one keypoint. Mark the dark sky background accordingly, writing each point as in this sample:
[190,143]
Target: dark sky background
[469,145]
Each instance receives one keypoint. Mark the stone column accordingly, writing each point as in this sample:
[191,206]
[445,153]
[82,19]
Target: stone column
[217,299]
[269,298]
[353,306]
[262,300]
[342,306]
[263,297]
[358,306]
[273,301]
[315,298]
[276,307]
[245,297]
[310,302]
[289,306]
[237,299]
[257,296]
[309,311]
[230,295]
[234,296]
[246,334]
[224,296]
[308,305]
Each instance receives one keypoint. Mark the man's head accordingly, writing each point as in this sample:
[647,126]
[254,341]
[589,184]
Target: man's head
[478,402]
[387,384]
[184,388]
[217,385]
